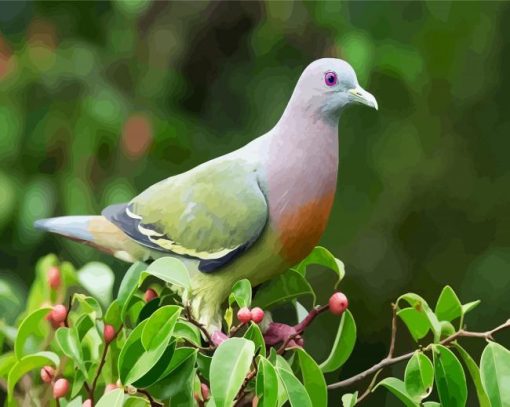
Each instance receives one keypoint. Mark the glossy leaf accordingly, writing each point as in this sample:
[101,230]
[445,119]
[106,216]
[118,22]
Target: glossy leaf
[7,361]
[282,289]
[186,330]
[69,342]
[112,314]
[27,327]
[266,384]
[204,365]
[449,376]
[254,334]
[495,374]
[160,326]
[313,379]
[230,364]
[448,306]
[241,294]
[474,371]
[114,398]
[134,401]
[343,345]
[470,306]
[417,322]
[129,282]
[323,257]
[97,278]
[398,388]
[28,363]
[170,270]
[88,305]
[349,399]
[419,376]
[296,392]
[420,305]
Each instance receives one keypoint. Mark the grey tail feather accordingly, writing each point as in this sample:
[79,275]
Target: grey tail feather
[74,227]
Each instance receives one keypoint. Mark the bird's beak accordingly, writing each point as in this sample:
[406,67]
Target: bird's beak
[360,95]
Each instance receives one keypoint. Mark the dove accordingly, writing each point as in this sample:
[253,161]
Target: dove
[251,213]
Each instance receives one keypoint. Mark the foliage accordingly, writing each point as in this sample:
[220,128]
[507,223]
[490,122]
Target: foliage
[154,352]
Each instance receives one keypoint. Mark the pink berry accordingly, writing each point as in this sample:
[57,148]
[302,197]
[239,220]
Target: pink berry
[150,294]
[257,315]
[108,333]
[204,389]
[338,303]
[110,387]
[59,313]
[60,388]
[87,403]
[54,278]
[244,315]
[47,374]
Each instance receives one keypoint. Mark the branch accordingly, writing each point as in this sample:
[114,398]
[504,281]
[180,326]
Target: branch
[309,318]
[388,361]
[199,326]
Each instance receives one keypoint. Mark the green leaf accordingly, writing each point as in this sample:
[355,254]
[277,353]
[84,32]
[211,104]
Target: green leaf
[266,384]
[282,289]
[296,392]
[419,376]
[97,278]
[69,342]
[28,363]
[343,345]
[114,398]
[170,270]
[322,257]
[417,322]
[157,372]
[398,388]
[431,404]
[420,305]
[88,305]
[160,326]
[495,374]
[148,309]
[230,364]
[112,315]
[448,306]
[483,400]
[349,399]
[134,401]
[204,365]
[30,325]
[129,283]
[186,330]
[450,379]
[470,306]
[7,360]
[254,334]
[313,379]
[241,293]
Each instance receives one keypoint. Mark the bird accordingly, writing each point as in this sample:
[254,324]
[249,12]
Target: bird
[251,213]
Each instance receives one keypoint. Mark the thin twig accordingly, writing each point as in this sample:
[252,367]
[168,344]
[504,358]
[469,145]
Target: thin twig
[69,305]
[370,386]
[199,326]
[393,330]
[310,317]
[488,335]
[152,402]
[285,343]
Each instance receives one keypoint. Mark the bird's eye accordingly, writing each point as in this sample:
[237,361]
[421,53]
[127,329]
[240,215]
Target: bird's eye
[330,78]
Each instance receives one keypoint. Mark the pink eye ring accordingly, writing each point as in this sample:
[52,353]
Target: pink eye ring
[330,78]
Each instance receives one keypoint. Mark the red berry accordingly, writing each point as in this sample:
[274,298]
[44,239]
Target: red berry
[338,303]
[47,374]
[110,387]
[59,313]
[108,333]
[54,278]
[244,315]
[60,388]
[87,403]
[205,391]
[150,294]
[257,315]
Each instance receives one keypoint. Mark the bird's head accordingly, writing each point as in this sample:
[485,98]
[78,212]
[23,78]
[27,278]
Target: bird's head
[328,85]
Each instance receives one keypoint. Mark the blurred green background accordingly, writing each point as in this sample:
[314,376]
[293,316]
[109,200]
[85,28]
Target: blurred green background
[99,100]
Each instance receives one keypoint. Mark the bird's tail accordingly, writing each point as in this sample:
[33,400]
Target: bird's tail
[95,231]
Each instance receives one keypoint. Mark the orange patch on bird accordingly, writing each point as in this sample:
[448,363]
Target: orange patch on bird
[301,230]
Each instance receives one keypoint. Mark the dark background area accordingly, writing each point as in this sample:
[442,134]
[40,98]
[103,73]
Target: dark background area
[99,100]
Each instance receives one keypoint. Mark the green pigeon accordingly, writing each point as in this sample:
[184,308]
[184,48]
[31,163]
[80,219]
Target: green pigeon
[251,213]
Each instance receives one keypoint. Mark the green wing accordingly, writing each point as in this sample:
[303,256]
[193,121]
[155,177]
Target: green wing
[210,213]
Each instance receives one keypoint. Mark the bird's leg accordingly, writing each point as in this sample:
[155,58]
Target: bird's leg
[282,333]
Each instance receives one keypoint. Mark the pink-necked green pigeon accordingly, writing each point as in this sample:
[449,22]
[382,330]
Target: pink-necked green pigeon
[248,214]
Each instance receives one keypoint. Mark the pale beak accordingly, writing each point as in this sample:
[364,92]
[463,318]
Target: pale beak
[360,95]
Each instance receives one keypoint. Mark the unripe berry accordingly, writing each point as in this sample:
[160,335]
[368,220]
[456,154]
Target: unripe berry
[54,278]
[150,294]
[108,333]
[87,403]
[110,387]
[47,374]
[60,388]
[338,303]
[257,315]
[244,315]
[205,391]
[59,313]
